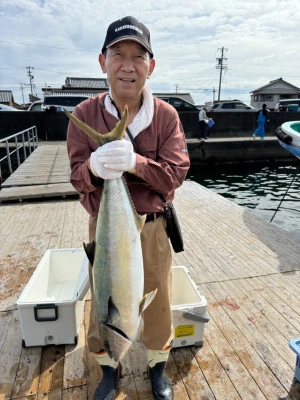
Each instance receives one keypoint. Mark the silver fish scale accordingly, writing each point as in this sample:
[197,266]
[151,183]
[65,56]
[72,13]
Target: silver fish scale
[118,263]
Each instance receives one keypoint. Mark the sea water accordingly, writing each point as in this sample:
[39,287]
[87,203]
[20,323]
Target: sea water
[272,191]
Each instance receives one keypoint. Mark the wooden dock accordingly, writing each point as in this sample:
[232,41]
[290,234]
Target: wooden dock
[44,174]
[248,270]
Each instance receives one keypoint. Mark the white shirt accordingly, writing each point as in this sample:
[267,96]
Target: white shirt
[202,115]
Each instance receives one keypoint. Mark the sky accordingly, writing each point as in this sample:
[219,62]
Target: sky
[59,39]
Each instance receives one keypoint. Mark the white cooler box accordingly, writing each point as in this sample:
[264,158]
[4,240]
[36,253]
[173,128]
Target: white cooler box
[48,306]
[188,309]
[50,312]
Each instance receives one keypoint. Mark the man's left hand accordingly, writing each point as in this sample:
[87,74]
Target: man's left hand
[118,155]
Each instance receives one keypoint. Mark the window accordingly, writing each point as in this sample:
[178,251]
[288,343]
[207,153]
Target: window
[266,97]
[67,101]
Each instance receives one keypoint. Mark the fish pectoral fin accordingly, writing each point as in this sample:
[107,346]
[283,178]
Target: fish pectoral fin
[89,249]
[115,342]
[113,312]
[140,221]
[147,300]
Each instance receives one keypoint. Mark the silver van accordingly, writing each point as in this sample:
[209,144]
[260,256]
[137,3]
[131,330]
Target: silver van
[59,102]
[285,105]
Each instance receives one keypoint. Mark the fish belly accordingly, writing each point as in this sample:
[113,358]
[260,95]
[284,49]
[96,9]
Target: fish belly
[118,263]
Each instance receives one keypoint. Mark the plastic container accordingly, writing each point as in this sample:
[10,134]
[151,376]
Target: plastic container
[211,123]
[295,346]
[49,307]
[188,310]
[50,310]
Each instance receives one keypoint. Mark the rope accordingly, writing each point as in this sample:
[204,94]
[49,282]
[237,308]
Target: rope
[285,193]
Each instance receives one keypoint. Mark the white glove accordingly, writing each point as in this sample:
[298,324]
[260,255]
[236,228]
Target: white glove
[118,155]
[98,169]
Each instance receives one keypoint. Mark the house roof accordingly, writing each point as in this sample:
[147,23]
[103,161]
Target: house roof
[272,83]
[71,92]
[86,83]
[6,96]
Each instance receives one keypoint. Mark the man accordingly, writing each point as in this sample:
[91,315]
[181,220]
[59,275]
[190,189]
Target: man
[262,117]
[159,167]
[203,120]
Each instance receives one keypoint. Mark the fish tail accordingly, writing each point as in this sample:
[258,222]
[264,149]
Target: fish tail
[116,134]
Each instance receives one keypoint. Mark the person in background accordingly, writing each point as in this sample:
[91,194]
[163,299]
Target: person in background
[262,117]
[159,167]
[203,127]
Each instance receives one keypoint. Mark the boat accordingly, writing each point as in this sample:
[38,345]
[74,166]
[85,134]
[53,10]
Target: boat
[288,135]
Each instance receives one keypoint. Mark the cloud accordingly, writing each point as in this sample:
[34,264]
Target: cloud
[61,39]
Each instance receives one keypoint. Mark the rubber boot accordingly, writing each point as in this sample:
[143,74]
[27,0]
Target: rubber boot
[161,386]
[107,388]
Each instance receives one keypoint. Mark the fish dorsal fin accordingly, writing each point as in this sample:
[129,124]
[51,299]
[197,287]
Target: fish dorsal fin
[89,249]
[147,300]
[113,314]
[116,134]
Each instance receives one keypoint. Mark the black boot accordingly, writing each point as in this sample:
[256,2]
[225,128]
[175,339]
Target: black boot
[161,386]
[107,388]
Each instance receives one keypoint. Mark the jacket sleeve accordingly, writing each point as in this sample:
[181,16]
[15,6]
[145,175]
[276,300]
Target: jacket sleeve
[166,170]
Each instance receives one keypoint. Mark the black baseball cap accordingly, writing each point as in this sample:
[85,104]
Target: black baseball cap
[128,28]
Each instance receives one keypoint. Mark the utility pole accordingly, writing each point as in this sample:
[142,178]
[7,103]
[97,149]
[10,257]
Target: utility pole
[214,92]
[22,92]
[176,87]
[220,65]
[30,78]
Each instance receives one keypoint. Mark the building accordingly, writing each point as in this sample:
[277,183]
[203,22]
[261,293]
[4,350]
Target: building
[93,86]
[7,98]
[274,91]
[83,86]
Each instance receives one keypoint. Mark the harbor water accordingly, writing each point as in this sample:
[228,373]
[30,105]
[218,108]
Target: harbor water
[272,191]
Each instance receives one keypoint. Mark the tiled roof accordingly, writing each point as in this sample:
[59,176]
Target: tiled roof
[280,80]
[6,96]
[88,83]
[71,92]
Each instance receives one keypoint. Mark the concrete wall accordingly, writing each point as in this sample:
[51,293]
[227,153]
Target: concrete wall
[234,124]
[53,126]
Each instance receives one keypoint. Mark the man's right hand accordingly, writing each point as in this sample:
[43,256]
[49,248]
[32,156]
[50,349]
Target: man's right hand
[98,169]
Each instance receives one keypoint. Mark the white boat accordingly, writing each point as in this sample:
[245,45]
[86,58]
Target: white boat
[288,135]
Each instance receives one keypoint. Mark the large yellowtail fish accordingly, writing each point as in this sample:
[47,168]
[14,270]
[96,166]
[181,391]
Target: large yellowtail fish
[116,256]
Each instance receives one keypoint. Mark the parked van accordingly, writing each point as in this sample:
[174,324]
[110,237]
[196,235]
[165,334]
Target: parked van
[283,105]
[58,103]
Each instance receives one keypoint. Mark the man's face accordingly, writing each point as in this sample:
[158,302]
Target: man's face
[127,65]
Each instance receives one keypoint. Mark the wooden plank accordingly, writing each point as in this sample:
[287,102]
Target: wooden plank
[10,357]
[45,173]
[75,369]
[28,372]
[277,303]
[250,282]
[270,355]
[263,379]
[51,373]
[254,317]
[192,377]
[214,373]
[39,191]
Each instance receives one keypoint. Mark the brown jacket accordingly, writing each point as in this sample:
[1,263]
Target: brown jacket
[161,166]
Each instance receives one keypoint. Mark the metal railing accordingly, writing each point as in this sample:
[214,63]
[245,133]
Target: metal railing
[26,140]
